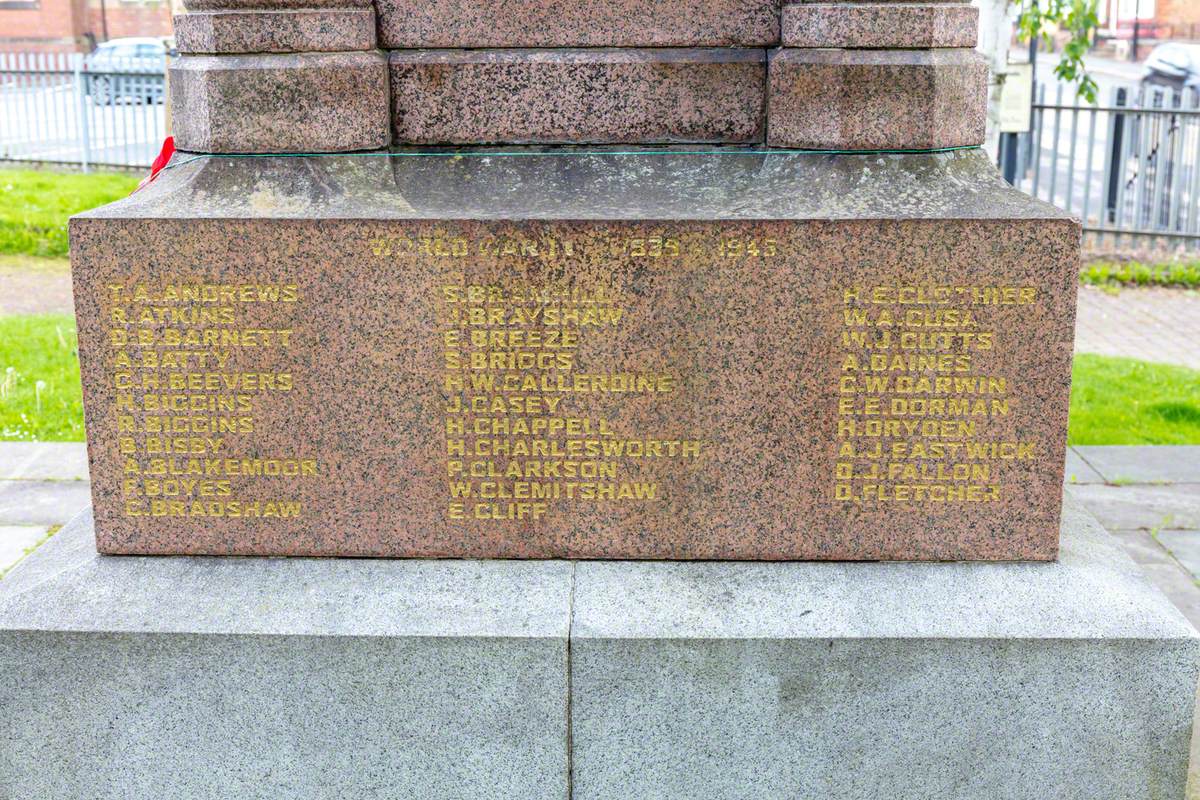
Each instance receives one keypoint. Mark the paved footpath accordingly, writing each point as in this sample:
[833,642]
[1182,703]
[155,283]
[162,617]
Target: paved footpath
[1151,324]
[35,286]
[42,485]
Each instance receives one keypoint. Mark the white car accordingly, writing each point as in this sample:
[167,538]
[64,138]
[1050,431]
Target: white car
[1173,64]
[131,68]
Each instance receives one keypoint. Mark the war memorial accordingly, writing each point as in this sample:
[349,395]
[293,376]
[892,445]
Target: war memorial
[583,400]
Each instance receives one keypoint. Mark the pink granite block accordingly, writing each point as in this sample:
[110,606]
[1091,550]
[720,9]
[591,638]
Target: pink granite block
[566,354]
[260,5]
[624,95]
[276,31]
[578,23]
[828,99]
[304,102]
[880,25]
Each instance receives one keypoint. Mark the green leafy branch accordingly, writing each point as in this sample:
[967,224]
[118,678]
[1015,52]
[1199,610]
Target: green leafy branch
[1077,17]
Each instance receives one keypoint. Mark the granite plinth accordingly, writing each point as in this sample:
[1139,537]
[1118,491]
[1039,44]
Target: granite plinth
[140,678]
[259,5]
[144,679]
[578,23]
[631,95]
[280,103]
[1073,681]
[876,25]
[831,99]
[276,30]
[744,355]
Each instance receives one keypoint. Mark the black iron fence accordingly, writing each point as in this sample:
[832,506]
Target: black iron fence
[1129,166]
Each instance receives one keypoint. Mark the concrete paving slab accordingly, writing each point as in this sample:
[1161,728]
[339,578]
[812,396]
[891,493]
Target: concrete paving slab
[1164,571]
[58,461]
[1144,463]
[16,539]
[42,502]
[1079,470]
[1184,545]
[1141,506]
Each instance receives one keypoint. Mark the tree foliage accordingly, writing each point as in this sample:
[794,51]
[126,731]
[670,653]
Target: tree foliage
[1079,19]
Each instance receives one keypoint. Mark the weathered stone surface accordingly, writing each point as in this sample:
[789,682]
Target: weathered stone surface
[578,23]
[829,99]
[190,679]
[626,95]
[259,5]
[936,681]
[277,103]
[276,30]
[880,24]
[725,336]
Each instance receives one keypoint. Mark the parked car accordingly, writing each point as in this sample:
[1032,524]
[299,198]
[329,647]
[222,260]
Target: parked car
[129,68]
[1175,65]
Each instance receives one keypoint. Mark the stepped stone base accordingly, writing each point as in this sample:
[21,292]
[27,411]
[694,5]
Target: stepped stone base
[280,103]
[626,95]
[876,25]
[829,99]
[276,31]
[144,678]
[720,356]
[578,23]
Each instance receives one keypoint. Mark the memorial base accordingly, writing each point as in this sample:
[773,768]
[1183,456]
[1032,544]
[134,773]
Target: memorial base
[190,677]
[578,353]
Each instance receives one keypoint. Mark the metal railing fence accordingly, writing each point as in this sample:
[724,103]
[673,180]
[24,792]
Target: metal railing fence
[1129,166]
[67,108]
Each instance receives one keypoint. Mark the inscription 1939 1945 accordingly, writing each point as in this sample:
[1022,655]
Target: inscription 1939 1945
[678,391]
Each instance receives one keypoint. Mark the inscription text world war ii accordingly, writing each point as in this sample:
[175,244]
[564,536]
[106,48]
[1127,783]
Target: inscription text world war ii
[523,414]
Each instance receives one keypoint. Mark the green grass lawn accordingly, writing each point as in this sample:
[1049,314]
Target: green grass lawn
[39,379]
[34,206]
[1125,401]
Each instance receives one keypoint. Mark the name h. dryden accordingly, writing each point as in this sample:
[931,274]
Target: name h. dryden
[893,369]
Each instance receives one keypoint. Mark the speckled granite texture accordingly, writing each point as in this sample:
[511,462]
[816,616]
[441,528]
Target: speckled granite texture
[258,5]
[276,30]
[1071,681]
[578,95]
[880,25]
[265,679]
[301,102]
[721,280]
[578,23]
[876,99]
[199,678]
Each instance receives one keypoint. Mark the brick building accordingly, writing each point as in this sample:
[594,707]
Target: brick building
[66,26]
[1158,20]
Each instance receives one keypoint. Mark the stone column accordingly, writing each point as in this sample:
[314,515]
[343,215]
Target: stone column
[279,76]
[877,76]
